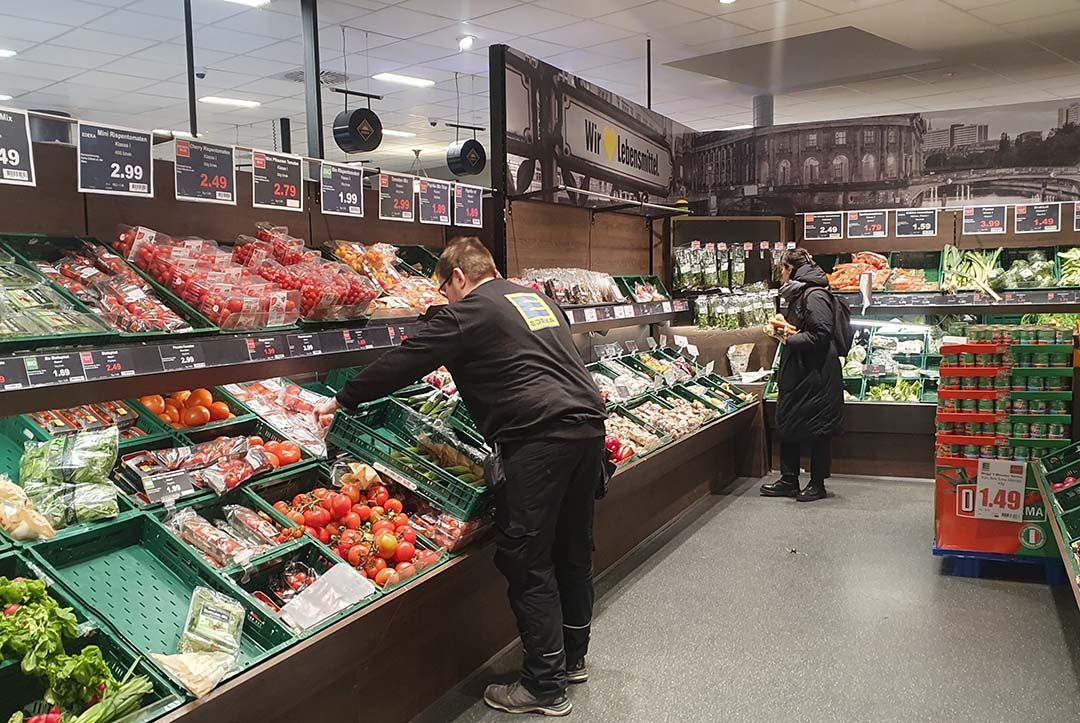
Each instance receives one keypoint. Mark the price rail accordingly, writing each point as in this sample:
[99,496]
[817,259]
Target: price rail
[1028,300]
[615,315]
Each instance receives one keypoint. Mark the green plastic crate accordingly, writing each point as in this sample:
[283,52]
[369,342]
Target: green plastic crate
[148,422]
[665,439]
[418,259]
[928,261]
[679,391]
[626,285]
[247,427]
[1009,256]
[1057,266]
[135,574]
[337,378]
[376,432]
[221,394]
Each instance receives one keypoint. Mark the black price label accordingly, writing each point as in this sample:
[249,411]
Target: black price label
[979,220]
[342,190]
[13,374]
[1076,216]
[177,357]
[916,222]
[274,346]
[304,345]
[1037,217]
[823,226]
[468,206]
[54,369]
[434,202]
[107,363]
[115,160]
[867,224]
[277,181]
[16,151]
[205,172]
[395,197]
[168,487]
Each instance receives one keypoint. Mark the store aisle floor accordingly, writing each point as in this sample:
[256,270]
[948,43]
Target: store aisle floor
[769,610]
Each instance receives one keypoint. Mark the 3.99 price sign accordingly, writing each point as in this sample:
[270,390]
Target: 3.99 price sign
[434,202]
[277,181]
[342,190]
[979,220]
[468,208]
[821,226]
[395,197]
[115,161]
[16,152]
[205,172]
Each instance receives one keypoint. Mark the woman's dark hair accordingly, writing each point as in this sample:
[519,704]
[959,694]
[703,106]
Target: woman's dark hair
[794,258]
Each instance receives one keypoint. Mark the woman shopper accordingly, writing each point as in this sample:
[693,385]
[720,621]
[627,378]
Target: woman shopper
[810,384]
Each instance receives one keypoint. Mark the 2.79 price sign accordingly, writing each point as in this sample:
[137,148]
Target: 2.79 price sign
[277,181]
[396,197]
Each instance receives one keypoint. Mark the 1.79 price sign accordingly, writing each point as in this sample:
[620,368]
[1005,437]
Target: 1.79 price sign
[277,181]
[434,202]
[205,172]
[395,197]
[867,224]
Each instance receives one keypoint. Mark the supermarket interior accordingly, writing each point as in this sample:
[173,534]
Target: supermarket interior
[214,214]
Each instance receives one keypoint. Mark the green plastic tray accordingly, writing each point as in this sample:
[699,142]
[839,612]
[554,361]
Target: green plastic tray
[929,261]
[221,394]
[140,578]
[336,378]
[664,438]
[419,259]
[626,285]
[247,427]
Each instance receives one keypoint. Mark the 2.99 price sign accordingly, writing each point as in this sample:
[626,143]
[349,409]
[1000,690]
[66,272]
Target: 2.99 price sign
[1037,217]
[434,202]
[822,226]
[468,209]
[867,224]
[277,181]
[979,220]
[16,153]
[395,197]
[115,161]
[205,172]
[342,190]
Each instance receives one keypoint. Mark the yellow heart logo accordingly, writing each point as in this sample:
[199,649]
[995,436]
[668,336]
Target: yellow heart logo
[611,140]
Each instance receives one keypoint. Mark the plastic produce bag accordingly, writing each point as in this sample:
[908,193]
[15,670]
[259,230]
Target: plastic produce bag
[338,588]
[198,672]
[219,546]
[67,478]
[214,624]
[18,518]
[739,357]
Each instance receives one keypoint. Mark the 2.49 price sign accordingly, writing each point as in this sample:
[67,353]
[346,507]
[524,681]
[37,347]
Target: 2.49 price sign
[205,172]
[277,181]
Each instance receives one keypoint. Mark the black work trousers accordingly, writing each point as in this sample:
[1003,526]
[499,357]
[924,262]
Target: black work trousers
[544,516]
[820,459]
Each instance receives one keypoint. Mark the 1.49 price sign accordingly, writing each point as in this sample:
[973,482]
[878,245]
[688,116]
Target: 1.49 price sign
[395,197]
[434,202]
[277,181]
[16,153]
[1037,217]
[205,172]
[468,208]
[342,190]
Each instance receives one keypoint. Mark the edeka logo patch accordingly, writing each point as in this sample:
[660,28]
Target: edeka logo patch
[533,310]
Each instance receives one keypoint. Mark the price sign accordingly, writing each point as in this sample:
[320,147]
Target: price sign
[16,151]
[277,181]
[681,341]
[666,306]
[274,346]
[304,345]
[916,222]
[1037,217]
[13,374]
[590,315]
[1076,216]
[176,357]
[395,197]
[434,202]
[867,224]
[632,347]
[980,220]
[107,363]
[115,161]
[168,487]
[999,493]
[468,206]
[205,172]
[692,350]
[709,367]
[822,226]
[342,190]
[54,369]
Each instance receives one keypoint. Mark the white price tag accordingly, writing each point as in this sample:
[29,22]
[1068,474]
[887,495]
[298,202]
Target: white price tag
[667,307]
[590,315]
[681,341]
[709,367]
[692,350]
[999,494]
[628,311]
[663,341]
[620,312]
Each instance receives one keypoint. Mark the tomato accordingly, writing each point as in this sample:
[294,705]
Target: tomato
[386,545]
[219,411]
[317,517]
[351,491]
[297,517]
[340,505]
[350,537]
[282,506]
[405,570]
[171,415]
[179,398]
[290,453]
[386,577]
[351,521]
[320,493]
[272,459]
[154,402]
[342,552]
[401,521]
[255,441]
[301,500]
[394,505]
[324,536]
[199,398]
[408,534]
[373,566]
[381,496]
[311,531]
[404,552]
[334,529]
[363,511]
[356,555]
[382,526]
[425,559]
[272,446]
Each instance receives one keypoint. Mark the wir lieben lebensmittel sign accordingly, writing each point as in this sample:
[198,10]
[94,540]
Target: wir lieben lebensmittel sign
[596,139]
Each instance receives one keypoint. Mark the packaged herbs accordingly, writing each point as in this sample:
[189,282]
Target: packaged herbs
[67,478]
[214,624]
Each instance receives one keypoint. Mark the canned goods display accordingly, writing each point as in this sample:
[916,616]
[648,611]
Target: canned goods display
[985,382]
[1001,381]
[969,382]
[1037,430]
[950,360]
[1018,384]
[954,450]
[1039,452]
[1055,430]
[1005,452]
[1002,406]
[969,405]
[1057,384]
[967,360]
[1021,454]
[949,383]
[972,429]
[1021,430]
[1025,359]
[1062,335]
[1024,335]
[984,360]
[985,405]
[971,451]
[1007,335]
[1057,406]
[1003,428]
[1036,384]
[1060,360]
[1045,335]
[1037,406]
[945,427]
[1040,360]
[948,405]
[1019,406]
[987,451]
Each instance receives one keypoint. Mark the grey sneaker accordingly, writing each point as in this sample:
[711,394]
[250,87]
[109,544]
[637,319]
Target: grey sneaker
[514,698]
[576,672]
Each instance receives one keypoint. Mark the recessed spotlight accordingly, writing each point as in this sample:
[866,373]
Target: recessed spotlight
[726,2]
[4,53]
[398,134]
[466,42]
[236,102]
[404,80]
[4,97]
[174,134]
[249,3]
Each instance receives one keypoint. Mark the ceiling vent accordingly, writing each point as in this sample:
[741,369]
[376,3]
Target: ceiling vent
[326,77]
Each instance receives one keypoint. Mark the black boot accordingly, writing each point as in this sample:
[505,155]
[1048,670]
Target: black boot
[814,491]
[782,487]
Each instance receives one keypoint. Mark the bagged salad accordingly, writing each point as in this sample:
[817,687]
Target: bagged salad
[67,478]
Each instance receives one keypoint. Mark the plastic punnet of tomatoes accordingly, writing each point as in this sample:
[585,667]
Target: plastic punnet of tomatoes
[249,251]
[227,534]
[188,409]
[288,408]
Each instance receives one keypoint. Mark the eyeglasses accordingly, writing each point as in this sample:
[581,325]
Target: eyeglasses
[442,286]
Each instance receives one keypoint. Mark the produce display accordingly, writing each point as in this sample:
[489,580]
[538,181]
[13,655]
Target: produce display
[403,294]
[188,408]
[628,432]
[733,312]
[1069,260]
[677,419]
[206,277]
[901,280]
[577,286]
[899,391]
[643,291]
[288,408]
[967,270]
[18,518]
[233,538]
[30,308]
[845,277]
[89,418]
[700,267]
[673,370]
[66,479]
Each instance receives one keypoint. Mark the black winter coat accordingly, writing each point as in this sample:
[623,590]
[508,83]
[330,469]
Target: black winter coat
[811,390]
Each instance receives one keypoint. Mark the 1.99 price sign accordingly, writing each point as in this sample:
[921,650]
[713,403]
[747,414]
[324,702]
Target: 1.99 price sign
[980,220]
[277,181]
[434,202]
[115,161]
[342,190]
[468,209]
[205,172]
[395,197]
[16,153]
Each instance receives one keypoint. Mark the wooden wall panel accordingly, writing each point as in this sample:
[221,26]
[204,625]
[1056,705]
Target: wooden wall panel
[54,206]
[619,244]
[544,234]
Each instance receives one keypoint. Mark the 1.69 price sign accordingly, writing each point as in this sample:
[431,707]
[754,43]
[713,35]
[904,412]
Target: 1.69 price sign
[16,152]
[395,197]
[277,181]
[434,202]
[205,172]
